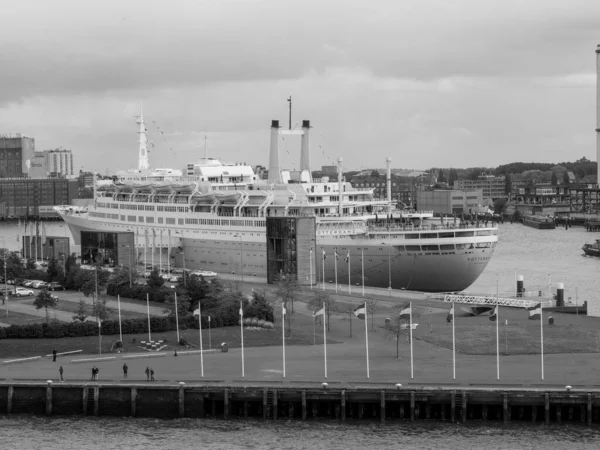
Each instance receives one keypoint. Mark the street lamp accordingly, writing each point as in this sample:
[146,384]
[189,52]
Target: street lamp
[241,256]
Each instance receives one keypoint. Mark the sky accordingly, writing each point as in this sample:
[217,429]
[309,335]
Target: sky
[430,83]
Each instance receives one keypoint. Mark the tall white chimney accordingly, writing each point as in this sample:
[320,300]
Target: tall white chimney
[274,169]
[305,152]
[598,109]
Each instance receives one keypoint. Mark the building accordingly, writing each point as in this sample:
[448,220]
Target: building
[449,202]
[16,153]
[23,197]
[401,187]
[491,186]
[52,164]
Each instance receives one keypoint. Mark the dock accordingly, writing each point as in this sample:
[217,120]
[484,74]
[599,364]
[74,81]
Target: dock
[306,401]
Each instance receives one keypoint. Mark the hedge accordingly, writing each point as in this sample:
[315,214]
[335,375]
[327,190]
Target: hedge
[219,318]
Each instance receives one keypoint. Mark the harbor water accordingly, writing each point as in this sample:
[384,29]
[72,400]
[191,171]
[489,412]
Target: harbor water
[149,434]
[543,257]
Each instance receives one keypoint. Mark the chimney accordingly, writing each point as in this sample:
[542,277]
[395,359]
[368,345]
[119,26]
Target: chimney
[305,151]
[274,169]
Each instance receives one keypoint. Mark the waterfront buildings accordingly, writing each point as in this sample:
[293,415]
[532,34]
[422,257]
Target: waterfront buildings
[449,202]
[26,197]
[492,187]
[52,164]
[16,152]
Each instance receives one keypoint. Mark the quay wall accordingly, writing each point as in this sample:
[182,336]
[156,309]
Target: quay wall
[309,402]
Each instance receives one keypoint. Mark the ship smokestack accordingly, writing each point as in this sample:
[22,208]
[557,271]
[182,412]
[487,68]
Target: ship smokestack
[305,152]
[274,169]
[598,109]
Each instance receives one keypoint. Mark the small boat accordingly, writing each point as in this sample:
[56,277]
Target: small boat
[592,249]
[539,222]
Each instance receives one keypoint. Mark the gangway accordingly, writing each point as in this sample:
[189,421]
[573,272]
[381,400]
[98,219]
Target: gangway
[493,301]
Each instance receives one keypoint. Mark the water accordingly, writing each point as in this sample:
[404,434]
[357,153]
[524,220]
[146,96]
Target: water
[148,434]
[536,254]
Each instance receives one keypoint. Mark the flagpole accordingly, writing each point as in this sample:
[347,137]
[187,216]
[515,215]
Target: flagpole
[200,333]
[283,334]
[412,373]
[497,340]
[362,263]
[119,308]
[209,335]
[310,263]
[335,269]
[148,305]
[242,335]
[325,337]
[314,331]
[367,339]
[453,345]
[323,267]
[177,318]
[542,335]
[349,281]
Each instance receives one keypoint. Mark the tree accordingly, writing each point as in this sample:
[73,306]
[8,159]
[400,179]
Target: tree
[399,326]
[53,270]
[155,281]
[100,310]
[45,300]
[81,311]
[372,307]
[260,307]
[553,179]
[441,177]
[322,298]
[375,173]
[31,264]
[566,179]
[452,177]
[287,292]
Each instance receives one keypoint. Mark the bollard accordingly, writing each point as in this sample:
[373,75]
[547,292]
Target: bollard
[520,286]
[560,294]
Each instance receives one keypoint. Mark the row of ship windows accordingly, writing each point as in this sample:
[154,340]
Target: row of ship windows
[441,235]
[179,221]
[427,248]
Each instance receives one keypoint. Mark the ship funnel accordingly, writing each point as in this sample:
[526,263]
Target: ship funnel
[274,169]
[305,174]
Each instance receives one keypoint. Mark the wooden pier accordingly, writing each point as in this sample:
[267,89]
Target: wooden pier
[454,404]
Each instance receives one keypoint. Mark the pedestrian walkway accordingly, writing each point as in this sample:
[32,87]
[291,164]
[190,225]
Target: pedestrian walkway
[113,304]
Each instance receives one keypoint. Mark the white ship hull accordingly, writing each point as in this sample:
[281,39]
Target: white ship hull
[380,262]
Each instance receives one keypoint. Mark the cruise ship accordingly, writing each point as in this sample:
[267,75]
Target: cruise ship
[213,217]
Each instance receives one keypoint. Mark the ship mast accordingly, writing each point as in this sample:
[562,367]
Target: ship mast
[143,163]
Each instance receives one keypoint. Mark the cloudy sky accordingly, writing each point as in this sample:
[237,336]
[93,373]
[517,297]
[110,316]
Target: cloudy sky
[451,83]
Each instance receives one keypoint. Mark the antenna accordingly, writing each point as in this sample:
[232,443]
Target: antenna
[290,102]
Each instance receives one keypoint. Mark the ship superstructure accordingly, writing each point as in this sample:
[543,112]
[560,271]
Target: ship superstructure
[214,218]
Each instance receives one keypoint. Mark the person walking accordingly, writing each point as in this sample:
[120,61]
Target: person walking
[125,370]
[60,370]
[151,374]
[93,373]
[54,355]
[147,374]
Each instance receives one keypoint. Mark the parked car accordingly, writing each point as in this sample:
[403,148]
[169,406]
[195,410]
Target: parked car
[174,278]
[37,284]
[177,271]
[27,283]
[23,292]
[204,273]
[166,276]
[55,286]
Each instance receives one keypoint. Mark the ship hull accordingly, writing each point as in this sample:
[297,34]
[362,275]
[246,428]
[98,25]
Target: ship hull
[379,265]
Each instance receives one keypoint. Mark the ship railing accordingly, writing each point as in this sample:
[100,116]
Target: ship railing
[493,301]
[409,227]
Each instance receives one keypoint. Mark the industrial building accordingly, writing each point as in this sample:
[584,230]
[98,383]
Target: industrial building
[23,197]
[16,152]
[491,186]
[446,202]
[52,164]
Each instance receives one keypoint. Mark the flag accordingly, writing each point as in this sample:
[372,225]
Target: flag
[320,312]
[324,257]
[405,313]
[360,312]
[99,323]
[347,256]
[208,319]
[241,311]
[450,316]
[197,313]
[336,253]
[494,314]
[535,312]
[283,310]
